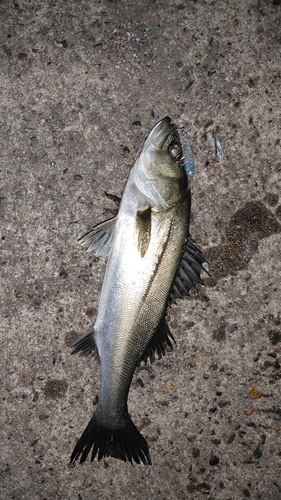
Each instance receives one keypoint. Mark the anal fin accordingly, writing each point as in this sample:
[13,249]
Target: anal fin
[161,339]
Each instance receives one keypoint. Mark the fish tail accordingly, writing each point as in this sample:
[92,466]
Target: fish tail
[125,443]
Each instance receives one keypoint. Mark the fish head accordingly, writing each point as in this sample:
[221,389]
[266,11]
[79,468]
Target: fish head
[161,172]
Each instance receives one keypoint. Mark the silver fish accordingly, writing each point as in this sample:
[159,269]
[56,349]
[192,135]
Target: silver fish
[152,261]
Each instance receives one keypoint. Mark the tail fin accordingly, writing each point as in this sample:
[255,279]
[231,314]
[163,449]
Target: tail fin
[125,443]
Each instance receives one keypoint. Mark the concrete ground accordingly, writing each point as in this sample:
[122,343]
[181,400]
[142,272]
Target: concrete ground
[82,83]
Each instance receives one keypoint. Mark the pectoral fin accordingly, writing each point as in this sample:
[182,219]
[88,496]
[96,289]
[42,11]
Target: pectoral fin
[86,344]
[100,237]
[143,222]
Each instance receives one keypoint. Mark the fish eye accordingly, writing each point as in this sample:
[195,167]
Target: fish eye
[174,150]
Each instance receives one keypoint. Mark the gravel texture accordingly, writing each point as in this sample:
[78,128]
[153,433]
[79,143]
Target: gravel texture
[82,83]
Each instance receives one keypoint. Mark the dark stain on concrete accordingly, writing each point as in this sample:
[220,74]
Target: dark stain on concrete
[271,199]
[70,337]
[274,336]
[247,227]
[55,389]
[220,333]
[278,212]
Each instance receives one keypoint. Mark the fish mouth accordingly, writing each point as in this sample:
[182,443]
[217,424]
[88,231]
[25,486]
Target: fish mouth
[160,132]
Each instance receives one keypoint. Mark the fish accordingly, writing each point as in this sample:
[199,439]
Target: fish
[152,262]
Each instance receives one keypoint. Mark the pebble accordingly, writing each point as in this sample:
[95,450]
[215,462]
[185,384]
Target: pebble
[63,44]
[38,301]
[190,324]
[213,409]
[254,393]
[258,452]
[232,328]
[231,438]
[248,410]
[192,362]
[43,416]
[63,273]
[216,441]
[171,385]
[204,487]
[78,177]
[3,201]
[71,465]
[208,125]
[189,84]
[140,382]
[214,460]
[272,354]
[136,124]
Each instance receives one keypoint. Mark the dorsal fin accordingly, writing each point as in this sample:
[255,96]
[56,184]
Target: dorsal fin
[100,237]
[188,272]
[114,198]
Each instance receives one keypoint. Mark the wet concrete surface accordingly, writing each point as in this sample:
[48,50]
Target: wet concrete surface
[82,83]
